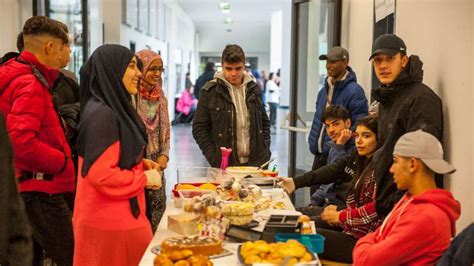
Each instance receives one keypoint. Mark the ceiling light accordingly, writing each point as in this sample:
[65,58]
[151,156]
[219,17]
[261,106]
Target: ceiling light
[227,20]
[225,11]
[224,6]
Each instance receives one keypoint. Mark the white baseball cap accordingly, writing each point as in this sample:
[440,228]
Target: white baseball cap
[426,147]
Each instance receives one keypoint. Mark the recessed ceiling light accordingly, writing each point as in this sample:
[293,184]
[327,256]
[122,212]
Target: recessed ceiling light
[225,11]
[227,20]
[224,6]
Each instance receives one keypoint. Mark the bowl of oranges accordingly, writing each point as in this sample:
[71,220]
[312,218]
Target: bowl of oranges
[186,191]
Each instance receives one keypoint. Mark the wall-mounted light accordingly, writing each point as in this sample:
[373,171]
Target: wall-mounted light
[224,7]
[227,20]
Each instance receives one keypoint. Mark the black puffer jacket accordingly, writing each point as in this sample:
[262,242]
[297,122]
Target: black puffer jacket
[407,105]
[215,124]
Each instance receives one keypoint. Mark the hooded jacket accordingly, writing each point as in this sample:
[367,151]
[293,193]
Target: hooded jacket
[215,124]
[33,124]
[416,232]
[406,105]
[347,93]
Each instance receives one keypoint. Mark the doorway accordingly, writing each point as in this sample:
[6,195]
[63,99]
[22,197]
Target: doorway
[315,28]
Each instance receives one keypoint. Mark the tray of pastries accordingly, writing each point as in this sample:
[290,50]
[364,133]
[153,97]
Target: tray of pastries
[291,252]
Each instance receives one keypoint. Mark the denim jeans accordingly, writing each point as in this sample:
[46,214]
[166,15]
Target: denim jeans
[51,224]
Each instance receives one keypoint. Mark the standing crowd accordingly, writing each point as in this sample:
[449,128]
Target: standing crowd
[89,160]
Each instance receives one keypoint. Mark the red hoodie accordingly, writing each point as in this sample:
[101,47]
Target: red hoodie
[33,125]
[416,232]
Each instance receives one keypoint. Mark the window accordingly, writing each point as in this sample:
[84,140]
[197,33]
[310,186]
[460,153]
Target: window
[153,18]
[70,12]
[130,13]
[161,20]
[143,15]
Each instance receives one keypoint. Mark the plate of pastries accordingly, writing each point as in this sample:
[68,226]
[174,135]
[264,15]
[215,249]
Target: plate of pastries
[291,252]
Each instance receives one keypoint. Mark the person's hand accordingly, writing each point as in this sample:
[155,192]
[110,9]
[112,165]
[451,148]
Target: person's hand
[153,179]
[330,215]
[162,160]
[150,165]
[287,183]
[345,136]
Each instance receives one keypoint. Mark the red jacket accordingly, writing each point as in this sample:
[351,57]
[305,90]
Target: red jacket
[416,232]
[33,125]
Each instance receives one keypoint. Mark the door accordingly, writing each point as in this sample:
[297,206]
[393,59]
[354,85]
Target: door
[315,28]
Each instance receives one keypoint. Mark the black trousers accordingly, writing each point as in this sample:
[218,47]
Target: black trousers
[50,220]
[338,246]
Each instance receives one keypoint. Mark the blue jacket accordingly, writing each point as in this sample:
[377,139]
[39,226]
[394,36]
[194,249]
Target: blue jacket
[346,93]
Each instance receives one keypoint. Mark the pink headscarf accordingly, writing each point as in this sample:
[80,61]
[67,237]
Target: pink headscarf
[147,91]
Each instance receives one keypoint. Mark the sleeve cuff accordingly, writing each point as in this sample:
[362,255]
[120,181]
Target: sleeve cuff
[343,216]
[340,147]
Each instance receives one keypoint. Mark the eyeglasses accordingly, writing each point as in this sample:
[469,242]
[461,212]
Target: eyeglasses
[156,69]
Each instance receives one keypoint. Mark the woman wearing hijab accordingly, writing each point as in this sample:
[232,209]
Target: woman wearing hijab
[152,106]
[110,226]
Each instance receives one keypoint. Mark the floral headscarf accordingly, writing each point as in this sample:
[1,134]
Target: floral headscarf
[147,91]
[157,123]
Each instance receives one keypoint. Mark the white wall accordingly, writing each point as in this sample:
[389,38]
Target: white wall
[442,37]
[356,37]
[13,15]
[286,56]
[275,41]
[209,41]
[254,45]
[441,33]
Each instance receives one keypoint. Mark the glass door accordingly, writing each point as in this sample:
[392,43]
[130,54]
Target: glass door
[74,14]
[315,28]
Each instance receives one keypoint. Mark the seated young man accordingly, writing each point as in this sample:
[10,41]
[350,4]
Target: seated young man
[419,228]
[337,121]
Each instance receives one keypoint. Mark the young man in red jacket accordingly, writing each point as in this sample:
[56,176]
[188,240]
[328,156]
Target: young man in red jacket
[41,153]
[420,226]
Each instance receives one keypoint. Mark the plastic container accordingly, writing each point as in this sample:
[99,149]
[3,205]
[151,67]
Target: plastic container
[315,242]
[270,173]
[200,175]
[181,196]
[191,193]
[196,185]
[239,172]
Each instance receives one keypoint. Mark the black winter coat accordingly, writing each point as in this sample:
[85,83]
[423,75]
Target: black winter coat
[215,124]
[407,105]
[342,171]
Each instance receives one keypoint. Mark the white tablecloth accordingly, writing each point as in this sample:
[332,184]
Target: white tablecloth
[162,232]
